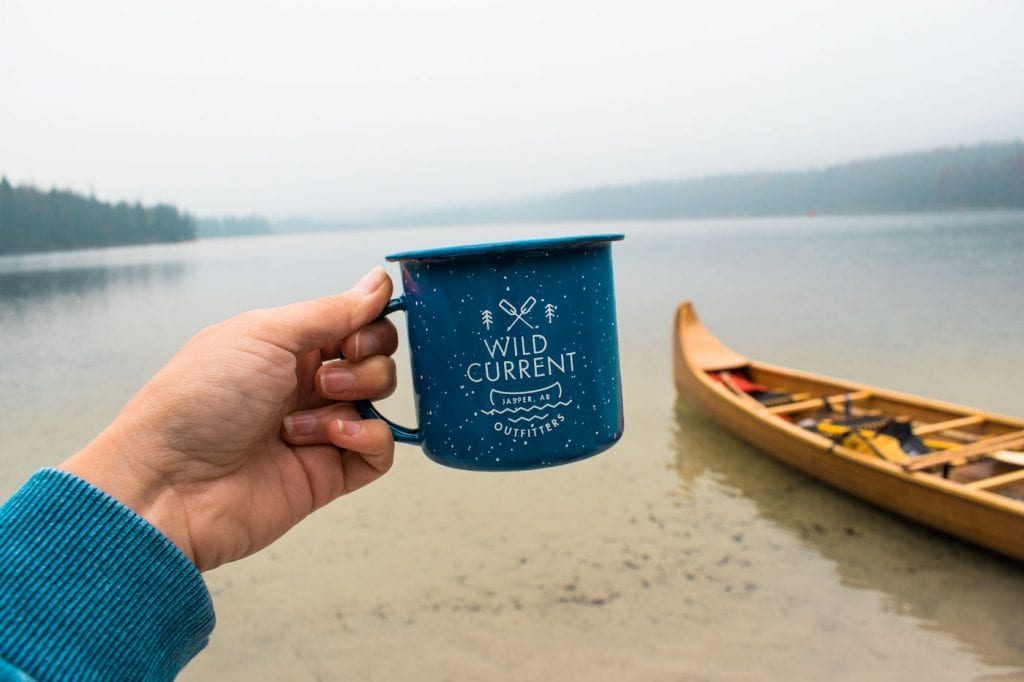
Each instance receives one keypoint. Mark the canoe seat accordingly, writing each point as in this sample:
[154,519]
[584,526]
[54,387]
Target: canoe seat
[838,400]
[872,422]
[776,398]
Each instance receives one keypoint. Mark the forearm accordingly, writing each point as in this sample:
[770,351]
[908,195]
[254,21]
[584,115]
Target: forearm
[89,589]
[108,465]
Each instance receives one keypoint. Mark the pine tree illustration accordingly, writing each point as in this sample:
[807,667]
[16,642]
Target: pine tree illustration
[487,318]
[549,312]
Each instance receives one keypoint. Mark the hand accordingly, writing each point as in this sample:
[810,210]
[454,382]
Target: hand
[241,435]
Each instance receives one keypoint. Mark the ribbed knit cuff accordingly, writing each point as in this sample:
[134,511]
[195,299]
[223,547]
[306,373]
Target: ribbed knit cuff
[90,590]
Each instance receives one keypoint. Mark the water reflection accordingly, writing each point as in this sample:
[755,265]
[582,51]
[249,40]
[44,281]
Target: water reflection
[21,288]
[911,566]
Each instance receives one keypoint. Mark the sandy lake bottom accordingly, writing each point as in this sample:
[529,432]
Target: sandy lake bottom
[680,554]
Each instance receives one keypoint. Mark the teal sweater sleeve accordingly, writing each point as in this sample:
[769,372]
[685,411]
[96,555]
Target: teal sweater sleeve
[90,591]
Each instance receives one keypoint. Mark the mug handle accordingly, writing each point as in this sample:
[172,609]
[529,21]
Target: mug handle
[366,409]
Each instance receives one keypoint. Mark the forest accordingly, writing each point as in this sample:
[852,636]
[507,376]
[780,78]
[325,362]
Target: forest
[36,220]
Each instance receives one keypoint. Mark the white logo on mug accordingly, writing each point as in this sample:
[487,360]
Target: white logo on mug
[530,374]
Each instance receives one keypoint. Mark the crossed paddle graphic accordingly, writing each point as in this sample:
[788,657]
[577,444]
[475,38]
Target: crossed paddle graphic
[518,313]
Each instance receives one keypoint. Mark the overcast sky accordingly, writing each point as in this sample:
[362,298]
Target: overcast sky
[335,108]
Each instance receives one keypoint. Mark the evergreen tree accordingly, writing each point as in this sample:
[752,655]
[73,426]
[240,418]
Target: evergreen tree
[32,220]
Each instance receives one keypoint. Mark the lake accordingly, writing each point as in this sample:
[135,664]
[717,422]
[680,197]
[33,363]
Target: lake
[680,554]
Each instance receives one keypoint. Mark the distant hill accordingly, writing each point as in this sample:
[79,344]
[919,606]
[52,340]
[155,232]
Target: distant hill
[300,224]
[34,220]
[232,226]
[983,176]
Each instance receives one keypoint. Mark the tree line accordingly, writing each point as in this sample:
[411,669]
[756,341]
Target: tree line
[36,220]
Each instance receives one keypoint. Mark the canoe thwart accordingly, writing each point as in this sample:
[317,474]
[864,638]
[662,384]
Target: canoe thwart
[949,424]
[981,448]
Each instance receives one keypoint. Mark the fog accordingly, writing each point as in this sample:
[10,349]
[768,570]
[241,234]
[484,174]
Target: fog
[341,109]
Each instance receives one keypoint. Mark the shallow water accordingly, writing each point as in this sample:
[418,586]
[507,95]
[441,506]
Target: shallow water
[679,554]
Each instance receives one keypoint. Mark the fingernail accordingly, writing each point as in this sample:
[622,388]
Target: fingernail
[366,344]
[300,424]
[371,281]
[349,428]
[337,379]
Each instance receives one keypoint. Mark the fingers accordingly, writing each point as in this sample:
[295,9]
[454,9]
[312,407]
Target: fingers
[376,338]
[369,379]
[311,426]
[341,425]
[310,325]
[367,452]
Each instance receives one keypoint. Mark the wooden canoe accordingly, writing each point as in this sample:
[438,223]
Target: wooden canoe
[969,484]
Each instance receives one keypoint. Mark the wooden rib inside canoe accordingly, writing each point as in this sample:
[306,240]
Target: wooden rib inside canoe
[996,481]
[970,485]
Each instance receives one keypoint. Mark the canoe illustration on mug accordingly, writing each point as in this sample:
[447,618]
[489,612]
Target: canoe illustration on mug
[536,400]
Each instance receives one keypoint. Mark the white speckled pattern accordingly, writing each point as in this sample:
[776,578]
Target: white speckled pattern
[515,354]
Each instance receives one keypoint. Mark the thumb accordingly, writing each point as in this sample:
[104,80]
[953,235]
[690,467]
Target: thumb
[306,326]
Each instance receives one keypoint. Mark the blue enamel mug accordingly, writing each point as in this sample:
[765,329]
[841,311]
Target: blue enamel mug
[514,352]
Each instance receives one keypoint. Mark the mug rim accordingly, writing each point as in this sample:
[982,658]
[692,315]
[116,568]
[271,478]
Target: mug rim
[504,247]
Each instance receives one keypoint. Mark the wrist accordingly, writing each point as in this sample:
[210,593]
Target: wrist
[111,468]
